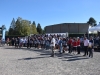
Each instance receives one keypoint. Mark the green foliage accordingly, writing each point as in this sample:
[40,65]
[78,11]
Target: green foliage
[39,29]
[18,27]
[44,30]
[10,31]
[22,27]
[25,29]
[33,29]
[13,24]
[91,21]
[34,23]
[12,27]
[6,33]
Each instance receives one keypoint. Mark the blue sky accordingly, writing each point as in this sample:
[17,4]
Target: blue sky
[48,12]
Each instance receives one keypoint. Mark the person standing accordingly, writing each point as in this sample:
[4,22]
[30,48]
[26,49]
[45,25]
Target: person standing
[91,43]
[74,44]
[28,42]
[47,44]
[18,41]
[35,43]
[86,43]
[78,45]
[31,42]
[12,41]
[53,41]
[82,43]
[69,44]
[60,45]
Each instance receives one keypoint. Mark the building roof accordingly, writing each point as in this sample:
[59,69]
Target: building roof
[68,27]
[68,24]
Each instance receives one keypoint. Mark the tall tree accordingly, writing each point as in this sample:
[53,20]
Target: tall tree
[39,29]
[34,23]
[12,27]
[6,33]
[22,27]
[92,21]
[19,19]
[25,27]
[10,32]
[44,30]
[13,23]
[18,27]
[33,28]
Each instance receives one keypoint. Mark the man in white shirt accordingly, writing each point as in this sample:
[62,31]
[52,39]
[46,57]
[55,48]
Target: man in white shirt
[53,41]
[86,44]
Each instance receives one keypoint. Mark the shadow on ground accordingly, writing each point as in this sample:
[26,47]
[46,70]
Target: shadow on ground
[30,58]
[74,59]
[47,53]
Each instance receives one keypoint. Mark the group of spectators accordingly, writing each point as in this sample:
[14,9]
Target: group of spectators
[72,45]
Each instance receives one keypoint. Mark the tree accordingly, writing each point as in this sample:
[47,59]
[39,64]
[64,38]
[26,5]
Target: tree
[33,28]
[22,27]
[34,23]
[6,33]
[13,24]
[10,32]
[92,21]
[18,27]
[25,30]
[39,29]
[12,27]
[44,30]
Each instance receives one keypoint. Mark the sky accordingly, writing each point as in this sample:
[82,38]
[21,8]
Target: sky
[49,12]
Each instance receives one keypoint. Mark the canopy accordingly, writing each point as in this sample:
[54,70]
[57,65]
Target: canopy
[95,28]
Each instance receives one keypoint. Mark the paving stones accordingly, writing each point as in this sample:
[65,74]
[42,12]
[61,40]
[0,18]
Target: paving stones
[38,62]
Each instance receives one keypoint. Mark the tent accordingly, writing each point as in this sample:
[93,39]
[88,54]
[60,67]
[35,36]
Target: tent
[95,28]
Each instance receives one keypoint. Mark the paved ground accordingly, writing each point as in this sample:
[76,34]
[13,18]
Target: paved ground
[38,62]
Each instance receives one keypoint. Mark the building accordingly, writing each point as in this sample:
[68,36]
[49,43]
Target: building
[77,28]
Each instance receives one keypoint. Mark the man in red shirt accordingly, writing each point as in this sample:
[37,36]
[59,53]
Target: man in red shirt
[74,44]
[69,44]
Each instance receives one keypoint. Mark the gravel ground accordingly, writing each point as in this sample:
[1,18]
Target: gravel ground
[38,62]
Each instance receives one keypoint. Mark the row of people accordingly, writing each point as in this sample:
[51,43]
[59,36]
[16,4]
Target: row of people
[73,45]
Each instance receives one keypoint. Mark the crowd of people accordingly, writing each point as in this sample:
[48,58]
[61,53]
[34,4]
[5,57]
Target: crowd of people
[72,45]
